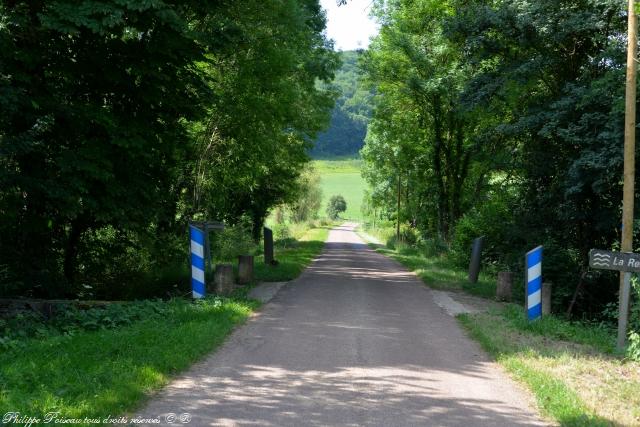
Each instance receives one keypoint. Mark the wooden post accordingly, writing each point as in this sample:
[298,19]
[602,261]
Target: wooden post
[504,286]
[245,269]
[223,279]
[629,172]
[546,299]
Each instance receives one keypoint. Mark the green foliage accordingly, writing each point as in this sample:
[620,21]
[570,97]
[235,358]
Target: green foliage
[503,119]
[350,116]
[70,320]
[336,206]
[120,121]
[281,232]
[109,371]
[633,352]
[309,199]
[494,220]
[233,241]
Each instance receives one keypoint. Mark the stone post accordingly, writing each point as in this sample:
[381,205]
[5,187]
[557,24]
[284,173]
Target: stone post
[268,246]
[476,257]
[504,286]
[223,278]
[546,299]
[245,269]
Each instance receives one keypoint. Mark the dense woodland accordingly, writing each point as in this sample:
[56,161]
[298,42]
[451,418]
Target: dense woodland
[503,119]
[351,115]
[121,120]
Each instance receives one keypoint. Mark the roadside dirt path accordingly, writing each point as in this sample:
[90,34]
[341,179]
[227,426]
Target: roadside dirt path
[355,341]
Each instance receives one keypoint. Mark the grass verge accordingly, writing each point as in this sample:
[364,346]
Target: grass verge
[439,273]
[571,368]
[292,256]
[109,372]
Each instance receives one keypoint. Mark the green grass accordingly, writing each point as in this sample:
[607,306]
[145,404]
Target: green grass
[439,272]
[292,259]
[110,372]
[342,177]
[568,367]
[571,368]
[338,166]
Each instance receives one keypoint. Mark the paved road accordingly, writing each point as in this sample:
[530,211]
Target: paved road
[355,341]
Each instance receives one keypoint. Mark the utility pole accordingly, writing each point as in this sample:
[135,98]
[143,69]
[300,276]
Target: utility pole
[629,173]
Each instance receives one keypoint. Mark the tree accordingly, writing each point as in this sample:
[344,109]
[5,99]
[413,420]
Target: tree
[336,206]
[122,121]
[268,108]
[349,119]
[418,75]
[309,197]
[93,99]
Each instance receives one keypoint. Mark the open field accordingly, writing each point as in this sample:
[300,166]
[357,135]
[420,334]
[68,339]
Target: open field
[342,177]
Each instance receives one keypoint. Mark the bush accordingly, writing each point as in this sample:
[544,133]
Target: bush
[68,320]
[309,197]
[234,240]
[336,206]
[494,220]
[281,232]
[408,237]
[432,247]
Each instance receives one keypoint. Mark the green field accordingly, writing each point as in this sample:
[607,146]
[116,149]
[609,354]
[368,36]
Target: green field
[342,177]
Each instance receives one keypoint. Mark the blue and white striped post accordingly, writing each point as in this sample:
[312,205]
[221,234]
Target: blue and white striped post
[197,262]
[533,282]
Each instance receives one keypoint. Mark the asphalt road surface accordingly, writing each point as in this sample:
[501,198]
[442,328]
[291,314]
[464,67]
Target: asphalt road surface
[356,340]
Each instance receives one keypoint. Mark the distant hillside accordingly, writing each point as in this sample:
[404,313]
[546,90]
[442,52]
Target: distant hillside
[350,116]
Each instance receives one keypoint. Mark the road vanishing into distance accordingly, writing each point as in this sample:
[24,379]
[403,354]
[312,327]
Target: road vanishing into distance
[356,340]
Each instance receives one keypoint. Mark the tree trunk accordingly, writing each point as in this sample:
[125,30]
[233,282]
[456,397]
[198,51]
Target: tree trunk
[257,221]
[71,249]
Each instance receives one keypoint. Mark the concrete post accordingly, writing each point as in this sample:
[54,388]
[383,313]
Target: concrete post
[546,299]
[245,269]
[223,278]
[504,286]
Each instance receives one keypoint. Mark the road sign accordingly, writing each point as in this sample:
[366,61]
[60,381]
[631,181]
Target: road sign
[618,261]
[533,275]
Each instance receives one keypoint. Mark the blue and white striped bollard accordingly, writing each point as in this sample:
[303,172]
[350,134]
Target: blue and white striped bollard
[533,262]
[197,262]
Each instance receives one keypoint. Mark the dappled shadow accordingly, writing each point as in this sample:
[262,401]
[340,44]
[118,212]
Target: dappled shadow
[273,395]
[356,340]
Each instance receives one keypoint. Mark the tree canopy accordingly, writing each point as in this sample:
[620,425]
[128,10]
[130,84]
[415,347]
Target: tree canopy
[504,119]
[351,114]
[122,120]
